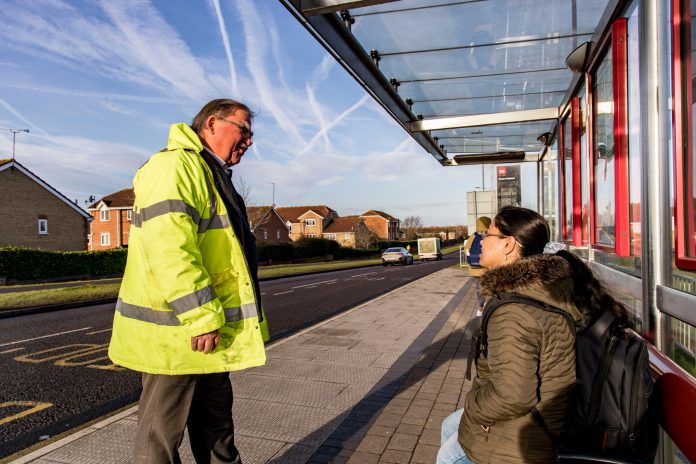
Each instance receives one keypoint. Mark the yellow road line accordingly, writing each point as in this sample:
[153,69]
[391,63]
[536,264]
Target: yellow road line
[34,407]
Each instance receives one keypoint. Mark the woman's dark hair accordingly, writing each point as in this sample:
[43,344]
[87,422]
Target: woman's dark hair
[531,232]
[528,227]
[220,107]
[589,294]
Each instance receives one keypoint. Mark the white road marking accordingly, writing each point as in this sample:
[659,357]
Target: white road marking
[315,283]
[283,293]
[11,351]
[45,336]
[98,331]
[360,275]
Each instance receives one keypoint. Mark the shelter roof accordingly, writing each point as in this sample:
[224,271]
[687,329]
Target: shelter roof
[472,81]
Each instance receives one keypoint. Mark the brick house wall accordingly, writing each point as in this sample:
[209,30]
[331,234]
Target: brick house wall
[345,239]
[271,229]
[386,229]
[306,228]
[378,225]
[117,225]
[23,201]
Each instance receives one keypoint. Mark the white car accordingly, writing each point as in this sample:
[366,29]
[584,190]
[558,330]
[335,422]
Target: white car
[396,255]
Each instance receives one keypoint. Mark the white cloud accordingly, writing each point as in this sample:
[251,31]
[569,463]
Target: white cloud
[159,46]
[228,48]
[255,32]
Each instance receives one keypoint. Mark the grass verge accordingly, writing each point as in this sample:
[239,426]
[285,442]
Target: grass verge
[92,291]
[285,270]
[52,296]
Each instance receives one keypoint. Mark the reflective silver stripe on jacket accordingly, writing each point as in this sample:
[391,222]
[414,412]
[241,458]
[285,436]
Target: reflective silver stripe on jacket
[143,314]
[215,222]
[237,314]
[164,207]
[193,300]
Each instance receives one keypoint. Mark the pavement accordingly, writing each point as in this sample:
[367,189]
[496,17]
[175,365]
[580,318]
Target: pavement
[371,385]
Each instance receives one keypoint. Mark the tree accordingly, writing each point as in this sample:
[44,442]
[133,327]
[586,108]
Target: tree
[410,226]
[364,237]
[243,188]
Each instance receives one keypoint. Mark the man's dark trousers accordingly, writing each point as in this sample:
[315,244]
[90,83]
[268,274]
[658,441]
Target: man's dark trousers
[169,403]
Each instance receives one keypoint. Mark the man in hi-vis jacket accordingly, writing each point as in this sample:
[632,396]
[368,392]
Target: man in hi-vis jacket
[189,309]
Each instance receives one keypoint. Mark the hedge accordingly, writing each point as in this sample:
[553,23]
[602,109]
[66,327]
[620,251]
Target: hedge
[307,248]
[17,264]
[22,264]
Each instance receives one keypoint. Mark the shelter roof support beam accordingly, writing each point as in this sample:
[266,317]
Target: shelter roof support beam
[484,119]
[319,7]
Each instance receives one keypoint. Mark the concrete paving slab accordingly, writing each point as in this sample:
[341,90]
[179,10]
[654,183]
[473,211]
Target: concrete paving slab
[322,390]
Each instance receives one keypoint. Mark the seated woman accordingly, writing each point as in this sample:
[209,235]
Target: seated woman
[530,362]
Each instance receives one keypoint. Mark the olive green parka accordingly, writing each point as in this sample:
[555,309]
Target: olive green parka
[530,363]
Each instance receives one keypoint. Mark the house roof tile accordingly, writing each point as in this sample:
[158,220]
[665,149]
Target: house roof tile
[343,224]
[293,213]
[121,199]
[374,212]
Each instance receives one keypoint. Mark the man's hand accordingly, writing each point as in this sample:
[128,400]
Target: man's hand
[206,342]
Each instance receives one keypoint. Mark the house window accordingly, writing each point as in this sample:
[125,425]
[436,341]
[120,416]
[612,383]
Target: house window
[277,234]
[129,215]
[265,235]
[310,222]
[43,226]
[331,236]
[311,235]
[105,239]
[346,236]
[104,215]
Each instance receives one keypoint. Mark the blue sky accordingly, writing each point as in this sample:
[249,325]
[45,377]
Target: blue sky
[99,82]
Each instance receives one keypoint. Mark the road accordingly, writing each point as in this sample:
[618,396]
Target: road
[56,374]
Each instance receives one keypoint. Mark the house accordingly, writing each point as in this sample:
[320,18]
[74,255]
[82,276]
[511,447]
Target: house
[36,215]
[384,225]
[111,220]
[267,225]
[348,231]
[342,230]
[307,221]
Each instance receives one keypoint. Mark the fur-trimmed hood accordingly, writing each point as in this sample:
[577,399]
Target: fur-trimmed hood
[545,277]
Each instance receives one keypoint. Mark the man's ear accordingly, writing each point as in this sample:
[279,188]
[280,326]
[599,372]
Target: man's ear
[210,124]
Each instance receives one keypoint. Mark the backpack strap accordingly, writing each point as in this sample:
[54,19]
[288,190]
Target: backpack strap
[479,339]
[505,298]
[602,324]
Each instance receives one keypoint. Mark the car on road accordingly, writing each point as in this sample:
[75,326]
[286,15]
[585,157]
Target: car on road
[396,255]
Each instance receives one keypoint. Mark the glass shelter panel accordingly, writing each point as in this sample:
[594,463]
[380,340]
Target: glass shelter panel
[634,133]
[567,179]
[603,159]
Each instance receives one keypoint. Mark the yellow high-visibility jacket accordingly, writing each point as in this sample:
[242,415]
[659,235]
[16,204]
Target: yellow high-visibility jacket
[186,273]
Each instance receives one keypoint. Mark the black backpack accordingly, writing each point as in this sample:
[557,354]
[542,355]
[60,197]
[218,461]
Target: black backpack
[610,407]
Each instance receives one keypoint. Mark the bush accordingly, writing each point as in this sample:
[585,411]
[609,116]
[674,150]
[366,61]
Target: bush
[280,252]
[26,264]
[307,247]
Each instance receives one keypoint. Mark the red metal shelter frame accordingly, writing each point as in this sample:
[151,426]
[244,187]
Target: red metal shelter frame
[685,248]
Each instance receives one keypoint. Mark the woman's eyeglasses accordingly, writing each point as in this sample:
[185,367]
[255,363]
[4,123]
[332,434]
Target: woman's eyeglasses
[486,234]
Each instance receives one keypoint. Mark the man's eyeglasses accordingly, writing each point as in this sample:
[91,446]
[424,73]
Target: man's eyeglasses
[246,132]
[486,234]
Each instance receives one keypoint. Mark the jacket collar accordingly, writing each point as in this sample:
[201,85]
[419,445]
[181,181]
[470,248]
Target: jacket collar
[181,136]
[545,277]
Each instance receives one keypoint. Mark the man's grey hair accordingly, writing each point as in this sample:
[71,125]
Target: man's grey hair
[220,108]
